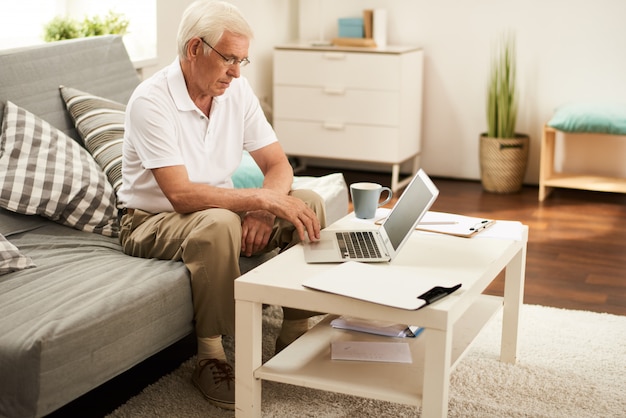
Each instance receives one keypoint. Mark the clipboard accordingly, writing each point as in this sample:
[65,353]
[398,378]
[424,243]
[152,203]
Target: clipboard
[385,284]
[452,224]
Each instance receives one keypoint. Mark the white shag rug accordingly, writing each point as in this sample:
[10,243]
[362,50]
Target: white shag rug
[570,364]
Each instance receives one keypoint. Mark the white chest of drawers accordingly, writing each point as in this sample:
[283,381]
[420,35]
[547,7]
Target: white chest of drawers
[351,104]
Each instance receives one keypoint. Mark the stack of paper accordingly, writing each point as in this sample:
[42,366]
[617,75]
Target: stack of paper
[376,327]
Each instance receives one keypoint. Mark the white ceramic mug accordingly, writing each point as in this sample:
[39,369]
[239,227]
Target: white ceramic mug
[366,198]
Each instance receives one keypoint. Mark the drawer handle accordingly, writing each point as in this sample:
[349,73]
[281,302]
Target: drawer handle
[333,126]
[334,56]
[335,91]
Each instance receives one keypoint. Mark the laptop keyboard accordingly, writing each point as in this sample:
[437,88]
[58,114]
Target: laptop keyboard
[357,245]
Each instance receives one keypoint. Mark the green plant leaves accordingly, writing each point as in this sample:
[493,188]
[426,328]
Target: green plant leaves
[502,93]
[61,28]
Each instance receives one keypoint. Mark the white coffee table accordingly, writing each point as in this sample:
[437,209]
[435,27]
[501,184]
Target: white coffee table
[451,324]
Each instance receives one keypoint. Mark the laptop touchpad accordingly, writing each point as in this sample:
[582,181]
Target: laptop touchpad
[323,245]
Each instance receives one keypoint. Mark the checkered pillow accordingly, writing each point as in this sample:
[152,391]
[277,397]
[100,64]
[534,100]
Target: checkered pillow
[11,259]
[100,123]
[45,172]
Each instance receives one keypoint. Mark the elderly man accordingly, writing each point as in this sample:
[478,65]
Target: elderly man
[186,129]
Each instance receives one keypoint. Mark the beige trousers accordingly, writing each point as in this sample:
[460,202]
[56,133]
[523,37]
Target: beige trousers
[209,243]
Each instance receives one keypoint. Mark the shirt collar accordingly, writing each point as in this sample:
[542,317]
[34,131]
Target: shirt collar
[178,88]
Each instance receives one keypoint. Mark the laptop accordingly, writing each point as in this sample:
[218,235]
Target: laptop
[375,245]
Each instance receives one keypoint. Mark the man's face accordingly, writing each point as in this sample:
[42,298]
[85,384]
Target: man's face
[213,75]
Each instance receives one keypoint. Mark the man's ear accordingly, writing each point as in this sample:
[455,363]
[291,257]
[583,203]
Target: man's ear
[194,48]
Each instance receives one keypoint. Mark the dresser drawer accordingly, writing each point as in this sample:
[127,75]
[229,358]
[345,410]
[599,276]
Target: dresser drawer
[356,104]
[339,69]
[337,105]
[346,142]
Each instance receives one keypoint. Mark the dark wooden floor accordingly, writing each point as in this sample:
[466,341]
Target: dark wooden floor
[576,259]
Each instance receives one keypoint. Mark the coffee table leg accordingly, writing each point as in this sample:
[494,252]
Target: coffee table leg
[436,373]
[248,351]
[513,298]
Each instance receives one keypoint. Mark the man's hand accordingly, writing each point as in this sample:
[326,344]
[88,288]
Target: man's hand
[256,231]
[298,213]
[257,225]
[278,178]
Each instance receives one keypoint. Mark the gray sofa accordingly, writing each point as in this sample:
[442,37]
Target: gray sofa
[85,312]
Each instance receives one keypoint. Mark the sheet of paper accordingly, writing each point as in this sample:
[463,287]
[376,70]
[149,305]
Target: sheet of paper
[389,352]
[400,288]
[504,230]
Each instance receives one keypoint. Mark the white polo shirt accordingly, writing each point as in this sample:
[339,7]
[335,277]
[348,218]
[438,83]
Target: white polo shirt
[163,127]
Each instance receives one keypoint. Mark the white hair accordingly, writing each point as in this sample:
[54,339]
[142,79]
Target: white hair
[209,19]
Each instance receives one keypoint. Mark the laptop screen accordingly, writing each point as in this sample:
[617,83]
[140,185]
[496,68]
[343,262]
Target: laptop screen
[414,202]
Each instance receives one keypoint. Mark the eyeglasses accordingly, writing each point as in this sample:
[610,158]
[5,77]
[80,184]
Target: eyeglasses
[229,61]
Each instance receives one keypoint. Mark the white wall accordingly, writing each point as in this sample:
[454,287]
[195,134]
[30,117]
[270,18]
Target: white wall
[567,50]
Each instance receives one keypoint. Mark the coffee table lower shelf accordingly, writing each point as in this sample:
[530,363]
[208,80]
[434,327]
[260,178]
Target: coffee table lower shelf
[307,361]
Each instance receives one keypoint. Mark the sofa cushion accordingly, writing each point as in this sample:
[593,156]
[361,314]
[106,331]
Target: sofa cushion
[100,124]
[86,313]
[12,223]
[333,189]
[30,76]
[11,259]
[45,172]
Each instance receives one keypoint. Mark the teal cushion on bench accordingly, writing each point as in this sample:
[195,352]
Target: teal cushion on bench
[608,118]
[248,175]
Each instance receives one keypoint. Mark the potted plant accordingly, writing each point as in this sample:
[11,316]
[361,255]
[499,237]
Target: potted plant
[503,152]
[61,28]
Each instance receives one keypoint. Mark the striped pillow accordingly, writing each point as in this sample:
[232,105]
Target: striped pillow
[11,259]
[45,172]
[100,123]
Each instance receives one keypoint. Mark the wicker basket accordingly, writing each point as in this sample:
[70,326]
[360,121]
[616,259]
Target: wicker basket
[503,163]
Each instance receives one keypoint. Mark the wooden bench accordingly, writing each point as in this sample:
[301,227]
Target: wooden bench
[549,178]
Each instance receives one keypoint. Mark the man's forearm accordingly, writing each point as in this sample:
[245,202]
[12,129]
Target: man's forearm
[279,178]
